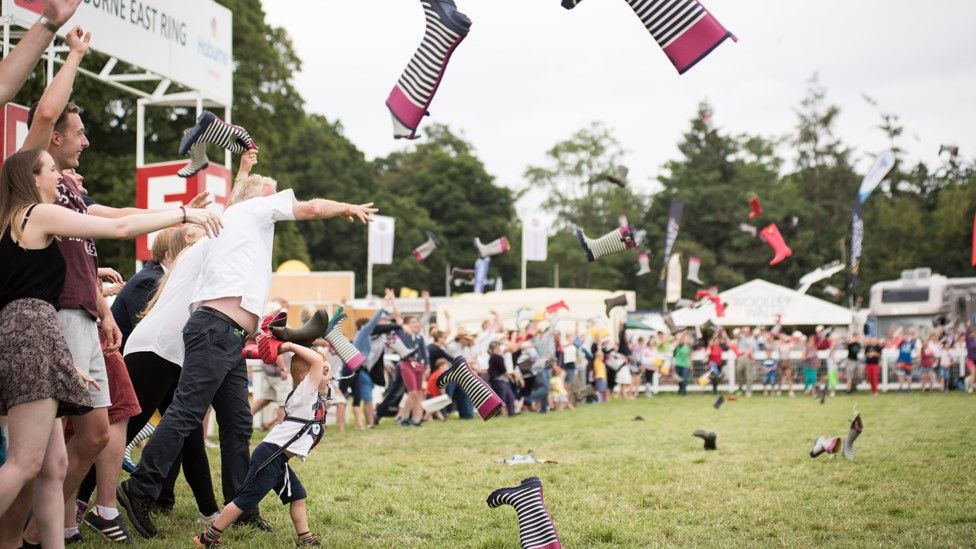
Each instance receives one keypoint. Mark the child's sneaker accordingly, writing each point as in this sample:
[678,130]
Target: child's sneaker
[202,541]
[308,539]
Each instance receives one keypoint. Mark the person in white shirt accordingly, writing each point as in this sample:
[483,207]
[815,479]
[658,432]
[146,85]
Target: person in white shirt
[228,297]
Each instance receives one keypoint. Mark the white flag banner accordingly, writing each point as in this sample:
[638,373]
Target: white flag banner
[535,239]
[673,293]
[381,240]
[882,165]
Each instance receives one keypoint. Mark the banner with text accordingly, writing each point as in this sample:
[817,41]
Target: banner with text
[158,186]
[381,240]
[186,41]
[671,234]
[535,239]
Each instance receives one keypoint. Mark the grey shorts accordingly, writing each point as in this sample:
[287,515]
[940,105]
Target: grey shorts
[81,333]
[274,389]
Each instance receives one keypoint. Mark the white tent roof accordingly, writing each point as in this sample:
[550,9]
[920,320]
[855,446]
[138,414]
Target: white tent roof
[757,303]
[471,309]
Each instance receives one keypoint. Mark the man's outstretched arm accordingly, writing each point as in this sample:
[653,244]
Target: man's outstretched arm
[321,208]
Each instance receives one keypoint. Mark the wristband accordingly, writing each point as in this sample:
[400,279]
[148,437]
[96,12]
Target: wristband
[184,213]
[48,24]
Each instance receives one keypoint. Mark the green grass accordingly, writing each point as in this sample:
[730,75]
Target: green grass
[626,483]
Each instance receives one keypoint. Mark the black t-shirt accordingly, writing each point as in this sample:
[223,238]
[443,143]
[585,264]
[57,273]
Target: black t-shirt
[872,354]
[853,348]
[496,366]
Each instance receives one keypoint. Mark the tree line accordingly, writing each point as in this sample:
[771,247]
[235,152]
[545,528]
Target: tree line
[921,216]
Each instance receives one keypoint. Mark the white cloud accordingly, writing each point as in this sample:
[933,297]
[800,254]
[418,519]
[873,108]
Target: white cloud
[530,73]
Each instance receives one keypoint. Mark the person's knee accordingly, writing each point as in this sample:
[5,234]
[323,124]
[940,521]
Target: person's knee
[91,434]
[54,468]
[24,467]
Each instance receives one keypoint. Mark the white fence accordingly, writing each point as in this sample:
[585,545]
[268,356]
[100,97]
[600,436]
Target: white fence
[888,379]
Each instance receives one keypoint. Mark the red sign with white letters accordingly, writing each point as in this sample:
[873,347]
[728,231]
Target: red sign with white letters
[36,6]
[13,122]
[158,186]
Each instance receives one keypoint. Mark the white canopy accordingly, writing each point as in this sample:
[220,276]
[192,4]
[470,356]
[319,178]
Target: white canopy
[757,303]
[471,309]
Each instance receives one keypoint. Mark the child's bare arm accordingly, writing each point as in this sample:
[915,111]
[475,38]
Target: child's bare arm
[308,356]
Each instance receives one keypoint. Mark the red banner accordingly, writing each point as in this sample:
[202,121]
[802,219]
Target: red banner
[158,186]
[13,122]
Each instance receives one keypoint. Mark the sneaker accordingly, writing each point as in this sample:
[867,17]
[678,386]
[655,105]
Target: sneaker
[162,507]
[29,545]
[207,520]
[255,521]
[308,542]
[137,506]
[81,507]
[74,538]
[201,541]
[112,529]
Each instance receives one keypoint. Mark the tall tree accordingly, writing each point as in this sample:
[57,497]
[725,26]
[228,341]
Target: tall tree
[578,193]
[444,187]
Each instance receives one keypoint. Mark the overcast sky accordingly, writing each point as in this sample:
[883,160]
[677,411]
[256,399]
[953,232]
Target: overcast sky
[530,73]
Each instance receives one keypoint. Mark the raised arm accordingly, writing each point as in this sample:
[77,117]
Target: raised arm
[17,66]
[55,97]
[391,298]
[321,208]
[248,160]
[316,364]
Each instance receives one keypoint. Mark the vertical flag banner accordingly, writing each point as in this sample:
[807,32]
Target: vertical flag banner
[882,165]
[674,224]
[974,241]
[673,293]
[535,239]
[381,240]
[481,274]
[857,242]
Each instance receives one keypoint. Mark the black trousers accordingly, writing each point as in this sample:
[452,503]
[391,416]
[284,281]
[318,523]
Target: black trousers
[154,380]
[213,373]
[391,397]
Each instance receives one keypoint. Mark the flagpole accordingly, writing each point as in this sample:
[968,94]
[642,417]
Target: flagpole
[369,264]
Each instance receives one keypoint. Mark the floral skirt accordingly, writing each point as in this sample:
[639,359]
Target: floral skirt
[35,362]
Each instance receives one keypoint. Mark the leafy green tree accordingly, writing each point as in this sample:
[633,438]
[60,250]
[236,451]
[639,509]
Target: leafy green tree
[442,178]
[578,193]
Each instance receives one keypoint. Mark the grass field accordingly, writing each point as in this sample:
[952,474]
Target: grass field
[626,483]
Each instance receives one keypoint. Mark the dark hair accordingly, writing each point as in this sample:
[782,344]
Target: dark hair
[70,108]
[17,188]
[360,322]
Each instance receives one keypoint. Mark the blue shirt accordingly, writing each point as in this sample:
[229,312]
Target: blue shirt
[905,351]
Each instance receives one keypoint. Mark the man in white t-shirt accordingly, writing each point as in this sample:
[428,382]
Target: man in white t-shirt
[226,303]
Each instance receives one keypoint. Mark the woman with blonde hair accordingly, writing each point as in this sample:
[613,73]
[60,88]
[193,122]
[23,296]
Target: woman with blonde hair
[38,381]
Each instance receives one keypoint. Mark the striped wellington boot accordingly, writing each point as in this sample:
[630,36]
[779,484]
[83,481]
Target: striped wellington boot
[446,27]
[198,160]
[348,352]
[617,240]
[536,528]
[684,29]
[211,129]
[481,394]
[856,427]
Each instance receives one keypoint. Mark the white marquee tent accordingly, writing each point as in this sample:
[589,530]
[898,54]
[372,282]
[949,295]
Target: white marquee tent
[757,303]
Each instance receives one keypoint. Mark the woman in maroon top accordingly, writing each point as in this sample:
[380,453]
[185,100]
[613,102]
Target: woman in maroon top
[38,381]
